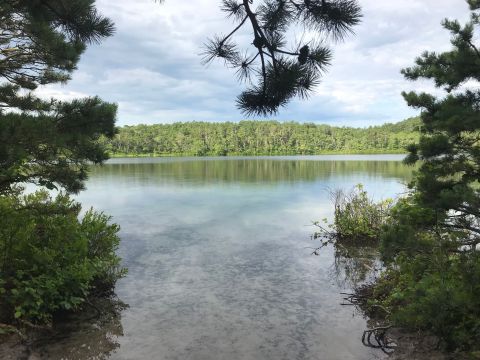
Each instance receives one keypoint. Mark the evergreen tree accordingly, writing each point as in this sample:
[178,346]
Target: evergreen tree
[48,142]
[431,239]
[278,72]
[449,148]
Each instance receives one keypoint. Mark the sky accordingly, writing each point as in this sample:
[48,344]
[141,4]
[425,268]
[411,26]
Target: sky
[152,66]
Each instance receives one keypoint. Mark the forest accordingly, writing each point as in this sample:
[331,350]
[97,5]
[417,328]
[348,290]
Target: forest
[259,138]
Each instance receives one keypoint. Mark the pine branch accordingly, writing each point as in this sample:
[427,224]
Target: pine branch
[269,23]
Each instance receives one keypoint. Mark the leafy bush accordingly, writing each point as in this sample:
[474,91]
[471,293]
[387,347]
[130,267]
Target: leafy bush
[435,292]
[49,259]
[357,217]
[432,282]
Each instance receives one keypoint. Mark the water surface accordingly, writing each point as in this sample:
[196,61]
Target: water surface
[219,258]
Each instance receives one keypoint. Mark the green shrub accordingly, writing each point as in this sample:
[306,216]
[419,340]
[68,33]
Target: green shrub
[437,292]
[431,283]
[49,259]
[357,217]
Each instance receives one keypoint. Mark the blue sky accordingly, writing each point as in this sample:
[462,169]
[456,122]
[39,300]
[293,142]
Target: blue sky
[152,68]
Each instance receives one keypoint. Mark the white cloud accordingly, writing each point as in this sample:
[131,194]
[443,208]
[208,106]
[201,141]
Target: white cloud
[152,68]
[59,93]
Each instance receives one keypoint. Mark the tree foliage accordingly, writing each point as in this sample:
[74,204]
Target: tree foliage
[48,142]
[431,241]
[449,148]
[275,71]
[259,138]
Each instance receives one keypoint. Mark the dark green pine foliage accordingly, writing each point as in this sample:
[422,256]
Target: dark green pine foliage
[276,71]
[449,148]
[431,239]
[48,142]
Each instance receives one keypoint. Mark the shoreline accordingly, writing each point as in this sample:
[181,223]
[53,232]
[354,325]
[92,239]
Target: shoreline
[153,155]
[410,346]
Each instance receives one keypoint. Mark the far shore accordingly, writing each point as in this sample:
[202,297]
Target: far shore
[156,155]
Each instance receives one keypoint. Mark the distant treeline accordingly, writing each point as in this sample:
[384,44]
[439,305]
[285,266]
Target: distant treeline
[259,138]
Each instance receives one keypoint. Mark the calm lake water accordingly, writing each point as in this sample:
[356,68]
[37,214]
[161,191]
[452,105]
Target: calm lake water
[219,258]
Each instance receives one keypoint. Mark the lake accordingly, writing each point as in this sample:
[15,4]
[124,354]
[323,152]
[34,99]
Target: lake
[220,258]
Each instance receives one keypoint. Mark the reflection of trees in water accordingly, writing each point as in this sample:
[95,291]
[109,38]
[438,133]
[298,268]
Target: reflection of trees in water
[355,265]
[89,334]
[250,170]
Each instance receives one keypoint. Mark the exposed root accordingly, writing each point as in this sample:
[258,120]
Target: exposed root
[354,299]
[376,338]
